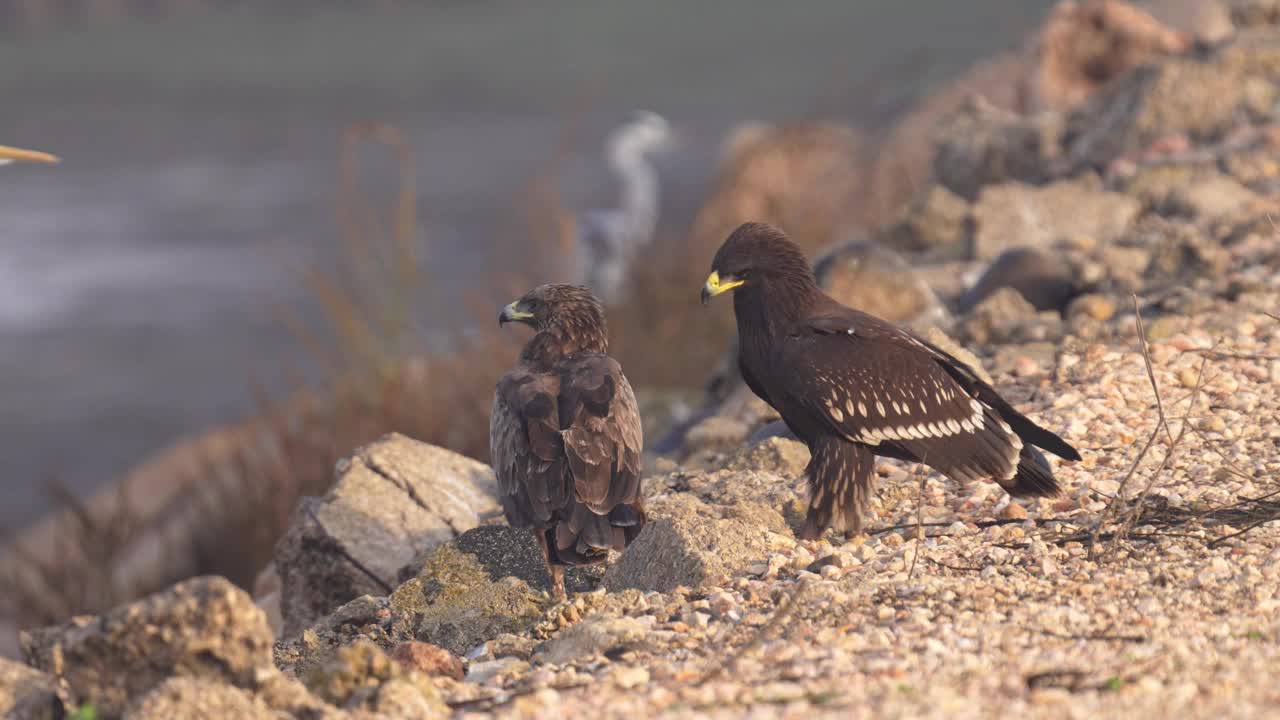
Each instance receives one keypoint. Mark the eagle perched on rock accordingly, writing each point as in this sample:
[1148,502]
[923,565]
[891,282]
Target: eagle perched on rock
[852,386]
[565,435]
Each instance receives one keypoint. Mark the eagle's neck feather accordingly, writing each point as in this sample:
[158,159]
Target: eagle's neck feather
[765,309]
[559,341]
[772,304]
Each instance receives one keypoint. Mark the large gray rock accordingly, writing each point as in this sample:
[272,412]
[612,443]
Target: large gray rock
[690,543]
[366,618]
[1211,197]
[777,454]
[878,281]
[477,587]
[503,551]
[1016,215]
[27,694]
[1005,316]
[936,221]
[363,677]
[1180,254]
[204,628]
[1253,13]
[593,636]
[982,145]
[1203,97]
[393,500]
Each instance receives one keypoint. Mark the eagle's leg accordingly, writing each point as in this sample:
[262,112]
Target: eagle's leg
[554,569]
[557,582]
[841,478]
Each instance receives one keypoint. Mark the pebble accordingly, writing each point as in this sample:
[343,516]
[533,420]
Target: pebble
[1025,367]
[629,678]
[722,603]
[1212,423]
[1013,511]
[801,559]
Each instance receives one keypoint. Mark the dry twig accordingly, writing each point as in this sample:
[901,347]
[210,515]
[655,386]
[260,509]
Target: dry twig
[1106,637]
[1142,454]
[1136,512]
[915,556]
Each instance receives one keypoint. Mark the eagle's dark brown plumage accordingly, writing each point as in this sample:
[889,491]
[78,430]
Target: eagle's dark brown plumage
[565,435]
[852,386]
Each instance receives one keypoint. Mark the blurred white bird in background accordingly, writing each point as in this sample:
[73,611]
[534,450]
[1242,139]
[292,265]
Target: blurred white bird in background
[606,241]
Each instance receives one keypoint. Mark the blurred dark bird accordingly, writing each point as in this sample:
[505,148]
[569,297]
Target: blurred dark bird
[1046,281]
[565,435]
[606,241]
[852,386]
[13,154]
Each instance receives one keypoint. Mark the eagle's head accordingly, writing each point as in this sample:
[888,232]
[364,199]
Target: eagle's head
[571,315]
[754,254]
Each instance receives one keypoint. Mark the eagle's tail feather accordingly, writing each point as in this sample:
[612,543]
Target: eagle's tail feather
[1033,476]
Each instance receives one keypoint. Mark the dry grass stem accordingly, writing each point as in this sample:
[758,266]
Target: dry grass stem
[919,527]
[1161,424]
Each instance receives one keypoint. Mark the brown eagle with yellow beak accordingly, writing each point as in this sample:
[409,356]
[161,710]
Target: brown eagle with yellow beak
[564,433]
[852,386]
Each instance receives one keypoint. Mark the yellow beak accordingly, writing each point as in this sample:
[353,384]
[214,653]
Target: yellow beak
[715,286]
[13,154]
[512,313]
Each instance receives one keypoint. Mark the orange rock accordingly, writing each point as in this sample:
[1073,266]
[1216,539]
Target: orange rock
[1013,511]
[1084,45]
[429,659]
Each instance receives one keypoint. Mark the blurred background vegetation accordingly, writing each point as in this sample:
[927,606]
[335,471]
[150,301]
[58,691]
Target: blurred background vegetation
[284,229]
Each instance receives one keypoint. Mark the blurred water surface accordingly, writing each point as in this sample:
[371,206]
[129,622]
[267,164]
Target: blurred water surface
[137,278]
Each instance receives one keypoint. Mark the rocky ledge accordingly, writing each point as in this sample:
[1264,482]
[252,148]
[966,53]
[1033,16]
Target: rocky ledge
[1051,244]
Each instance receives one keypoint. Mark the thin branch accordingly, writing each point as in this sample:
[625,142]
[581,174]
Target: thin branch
[957,568]
[1108,637]
[1255,524]
[1106,512]
[1226,461]
[1220,355]
[919,519]
[1239,503]
[1146,359]
[1142,454]
[1132,518]
[981,525]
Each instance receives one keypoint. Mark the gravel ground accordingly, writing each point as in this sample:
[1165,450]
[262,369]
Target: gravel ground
[1004,607]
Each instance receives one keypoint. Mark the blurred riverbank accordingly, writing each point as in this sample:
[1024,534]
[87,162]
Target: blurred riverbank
[138,278]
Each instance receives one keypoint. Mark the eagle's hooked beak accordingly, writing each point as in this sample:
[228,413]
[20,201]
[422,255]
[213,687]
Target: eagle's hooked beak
[513,313]
[715,286]
[13,154]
